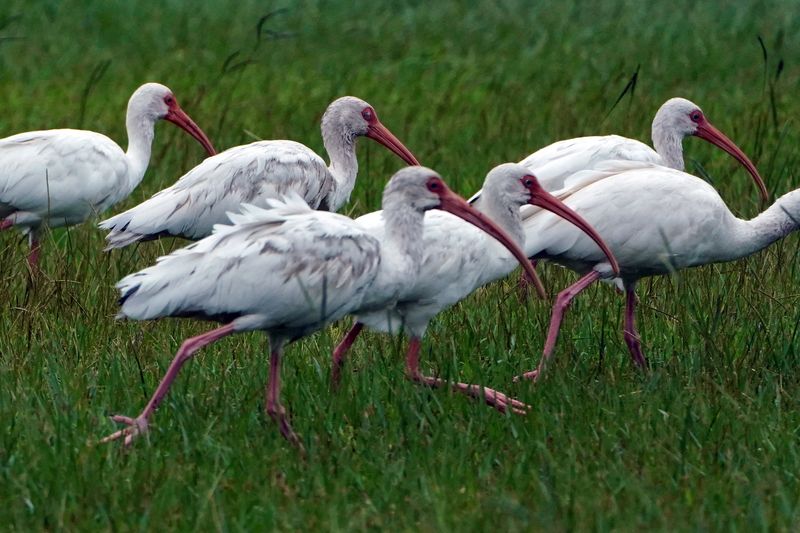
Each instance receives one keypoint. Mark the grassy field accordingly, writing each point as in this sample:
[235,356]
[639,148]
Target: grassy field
[708,440]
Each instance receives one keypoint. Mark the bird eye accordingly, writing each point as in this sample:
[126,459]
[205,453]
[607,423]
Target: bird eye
[695,116]
[434,184]
[368,114]
[169,100]
[528,181]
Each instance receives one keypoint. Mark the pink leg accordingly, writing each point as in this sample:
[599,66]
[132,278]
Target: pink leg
[559,308]
[33,241]
[496,399]
[138,425]
[341,350]
[273,406]
[631,335]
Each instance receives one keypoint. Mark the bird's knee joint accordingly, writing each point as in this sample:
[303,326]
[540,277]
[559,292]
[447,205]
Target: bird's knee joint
[564,298]
[276,410]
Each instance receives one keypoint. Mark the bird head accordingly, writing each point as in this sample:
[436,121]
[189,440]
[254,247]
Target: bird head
[680,116]
[423,189]
[514,185]
[349,117]
[685,118]
[154,102]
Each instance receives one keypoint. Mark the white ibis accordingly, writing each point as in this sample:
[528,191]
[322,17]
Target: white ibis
[564,164]
[458,259]
[289,271]
[676,119]
[256,172]
[62,177]
[656,221]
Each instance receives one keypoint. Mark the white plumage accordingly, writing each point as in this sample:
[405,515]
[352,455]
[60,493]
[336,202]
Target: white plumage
[556,162]
[675,120]
[656,221]
[288,265]
[63,177]
[254,173]
[200,199]
[39,173]
[458,259]
[455,261]
[288,270]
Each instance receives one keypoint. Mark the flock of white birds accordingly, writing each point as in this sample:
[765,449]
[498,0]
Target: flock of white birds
[272,255]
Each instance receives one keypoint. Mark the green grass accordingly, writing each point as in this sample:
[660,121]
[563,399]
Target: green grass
[708,440]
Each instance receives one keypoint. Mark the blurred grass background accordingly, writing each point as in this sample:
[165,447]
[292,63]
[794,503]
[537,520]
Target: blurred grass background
[707,440]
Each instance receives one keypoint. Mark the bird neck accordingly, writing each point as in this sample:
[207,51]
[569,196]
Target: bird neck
[668,144]
[403,229]
[778,221]
[141,130]
[505,214]
[401,256]
[341,148]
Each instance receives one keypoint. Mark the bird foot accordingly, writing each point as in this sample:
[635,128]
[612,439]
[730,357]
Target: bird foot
[500,401]
[278,414]
[533,375]
[136,426]
[493,398]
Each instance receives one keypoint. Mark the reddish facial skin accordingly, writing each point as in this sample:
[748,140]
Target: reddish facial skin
[706,131]
[381,134]
[545,200]
[178,116]
[453,203]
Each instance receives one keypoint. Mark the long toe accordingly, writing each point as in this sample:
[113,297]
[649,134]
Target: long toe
[136,426]
[503,403]
[533,375]
[289,434]
[516,406]
[279,415]
[496,399]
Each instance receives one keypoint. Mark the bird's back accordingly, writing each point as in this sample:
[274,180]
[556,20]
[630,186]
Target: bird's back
[289,269]
[251,173]
[556,162]
[66,174]
[653,218]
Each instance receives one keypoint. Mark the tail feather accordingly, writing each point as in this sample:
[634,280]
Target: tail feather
[121,239]
[119,236]
[127,293]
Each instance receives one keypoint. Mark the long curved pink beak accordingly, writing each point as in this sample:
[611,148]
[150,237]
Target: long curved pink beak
[706,131]
[545,200]
[380,133]
[178,116]
[453,203]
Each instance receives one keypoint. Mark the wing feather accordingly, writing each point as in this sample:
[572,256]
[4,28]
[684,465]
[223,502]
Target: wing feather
[64,175]
[554,164]
[640,213]
[252,173]
[289,266]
